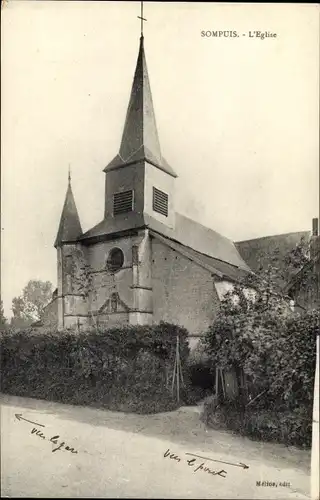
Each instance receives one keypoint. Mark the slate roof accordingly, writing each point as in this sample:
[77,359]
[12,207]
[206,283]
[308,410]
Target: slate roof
[215,266]
[69,227]
[140,139]
[200,238]
[110,226]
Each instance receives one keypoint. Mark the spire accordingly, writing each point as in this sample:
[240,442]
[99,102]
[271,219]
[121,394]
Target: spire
[140,139]
[69,227]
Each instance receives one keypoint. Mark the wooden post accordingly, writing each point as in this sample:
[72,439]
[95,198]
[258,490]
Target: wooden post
[181,374]
[94,322]
[217,382]
[174,375]
[178,370]
[222,383]
[166,373]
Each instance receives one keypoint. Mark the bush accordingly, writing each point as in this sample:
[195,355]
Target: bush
[276,352]
[127,368]
[291,427]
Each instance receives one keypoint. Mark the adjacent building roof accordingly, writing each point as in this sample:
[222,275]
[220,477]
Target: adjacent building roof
[69,227]
[258,252]
[140,141]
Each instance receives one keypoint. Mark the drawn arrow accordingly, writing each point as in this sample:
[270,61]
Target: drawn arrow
[20,417]
[244,466]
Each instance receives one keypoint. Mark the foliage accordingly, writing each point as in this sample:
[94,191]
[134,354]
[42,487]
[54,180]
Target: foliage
[36,295]
[276,268]
[256,334]
[3,319]
[28,307]
[127,368]
[79,271]
[291,427]
[19,319]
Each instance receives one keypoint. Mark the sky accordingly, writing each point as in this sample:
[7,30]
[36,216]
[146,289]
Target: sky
[238,117]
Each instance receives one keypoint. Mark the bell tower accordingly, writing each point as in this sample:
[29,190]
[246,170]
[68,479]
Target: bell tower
[139,181]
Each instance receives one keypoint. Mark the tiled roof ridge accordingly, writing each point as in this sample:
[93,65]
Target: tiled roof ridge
[272,236]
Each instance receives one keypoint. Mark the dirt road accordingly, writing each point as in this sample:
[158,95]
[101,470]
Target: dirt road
[54,450]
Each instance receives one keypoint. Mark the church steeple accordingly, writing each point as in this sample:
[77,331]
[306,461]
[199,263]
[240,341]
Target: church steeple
[139,183]
[140,141]
[69,227]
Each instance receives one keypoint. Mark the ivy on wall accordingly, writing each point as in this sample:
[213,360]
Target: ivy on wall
[77,272]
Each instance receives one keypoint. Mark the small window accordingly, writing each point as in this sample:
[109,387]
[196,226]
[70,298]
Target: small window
[160,202]
[115,260]
[122,202]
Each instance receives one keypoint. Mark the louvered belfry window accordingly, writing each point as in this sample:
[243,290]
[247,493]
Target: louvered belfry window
[122,202]
[160,202]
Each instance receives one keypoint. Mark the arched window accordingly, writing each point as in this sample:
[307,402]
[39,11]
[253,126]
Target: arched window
[115,260]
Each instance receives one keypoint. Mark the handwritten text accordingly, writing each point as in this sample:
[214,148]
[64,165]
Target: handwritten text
[196,465]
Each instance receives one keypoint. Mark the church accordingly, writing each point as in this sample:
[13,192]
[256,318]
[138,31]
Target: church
[144,262]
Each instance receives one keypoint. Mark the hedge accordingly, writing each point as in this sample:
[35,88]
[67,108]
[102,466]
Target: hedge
[278,358]
[128,368]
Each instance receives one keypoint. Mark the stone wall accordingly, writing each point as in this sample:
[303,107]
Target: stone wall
[183,292]
[49,316]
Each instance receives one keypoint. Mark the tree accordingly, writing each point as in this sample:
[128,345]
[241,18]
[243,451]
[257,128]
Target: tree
[20,318]
[36,295]
[28,307]
[3,319]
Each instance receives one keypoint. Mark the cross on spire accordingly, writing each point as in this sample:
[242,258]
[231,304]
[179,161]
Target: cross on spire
[69,174]
[142,19]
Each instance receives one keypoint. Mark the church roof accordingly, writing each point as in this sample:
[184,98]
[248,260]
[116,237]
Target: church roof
[140,139]
[192,234]
[187,232]
[69,227]
[223,270]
